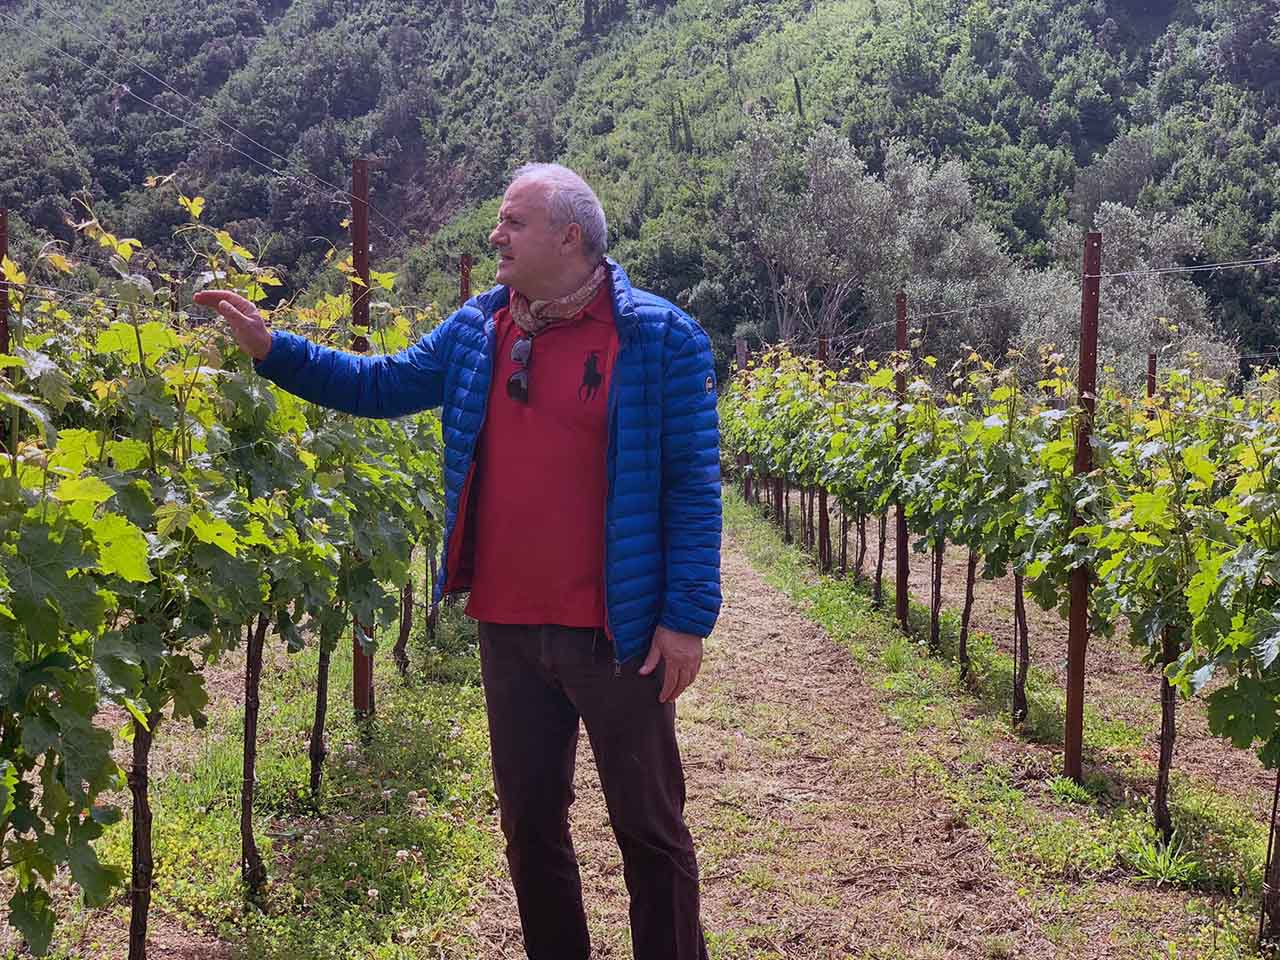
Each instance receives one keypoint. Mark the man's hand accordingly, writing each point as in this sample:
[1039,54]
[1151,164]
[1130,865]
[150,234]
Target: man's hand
[683,655]
[247,325]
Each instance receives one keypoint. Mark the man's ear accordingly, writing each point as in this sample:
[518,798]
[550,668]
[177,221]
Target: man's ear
[572,239]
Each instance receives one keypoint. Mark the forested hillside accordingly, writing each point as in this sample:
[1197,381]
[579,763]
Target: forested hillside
[1166,112]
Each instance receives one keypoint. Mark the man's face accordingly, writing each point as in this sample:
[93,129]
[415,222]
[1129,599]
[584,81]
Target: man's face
[533,256]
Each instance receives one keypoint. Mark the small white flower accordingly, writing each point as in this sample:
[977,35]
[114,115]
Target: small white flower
[402,855]
[388,794]
[383,831]
[373,893]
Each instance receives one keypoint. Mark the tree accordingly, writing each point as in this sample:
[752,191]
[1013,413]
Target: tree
[1141,311]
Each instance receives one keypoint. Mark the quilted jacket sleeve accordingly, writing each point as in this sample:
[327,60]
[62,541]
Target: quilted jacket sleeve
[387,385]
[691,509]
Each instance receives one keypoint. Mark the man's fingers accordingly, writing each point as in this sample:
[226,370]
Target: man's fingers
[684,677]
[681,677]
[247,325]
[651,661]
[669,682]
[211,298]
[240,321]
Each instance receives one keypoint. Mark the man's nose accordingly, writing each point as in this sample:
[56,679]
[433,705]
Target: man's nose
[496,238]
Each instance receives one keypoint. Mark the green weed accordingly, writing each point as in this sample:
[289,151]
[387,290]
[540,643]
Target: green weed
[1159,862]
[1068,791]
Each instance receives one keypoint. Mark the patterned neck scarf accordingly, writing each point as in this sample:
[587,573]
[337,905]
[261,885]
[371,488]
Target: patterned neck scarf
[537,315]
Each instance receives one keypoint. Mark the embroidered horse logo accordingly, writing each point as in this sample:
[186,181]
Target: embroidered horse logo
[591,377]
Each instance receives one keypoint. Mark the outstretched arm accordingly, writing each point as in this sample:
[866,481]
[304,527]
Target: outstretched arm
[391,385]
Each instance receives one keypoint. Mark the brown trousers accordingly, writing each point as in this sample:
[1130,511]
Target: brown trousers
[538,682]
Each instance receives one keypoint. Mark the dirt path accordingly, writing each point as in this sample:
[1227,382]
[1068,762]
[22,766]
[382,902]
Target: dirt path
[815,838]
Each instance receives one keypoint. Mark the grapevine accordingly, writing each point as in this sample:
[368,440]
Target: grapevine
[163,504]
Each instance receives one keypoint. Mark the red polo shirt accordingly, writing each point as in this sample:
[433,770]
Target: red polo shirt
[540,483]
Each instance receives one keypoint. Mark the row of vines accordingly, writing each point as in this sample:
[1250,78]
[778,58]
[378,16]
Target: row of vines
[161,505]
[1179,519]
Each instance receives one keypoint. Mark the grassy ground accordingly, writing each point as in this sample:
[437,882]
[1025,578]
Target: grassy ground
[381,869]
[1062,844]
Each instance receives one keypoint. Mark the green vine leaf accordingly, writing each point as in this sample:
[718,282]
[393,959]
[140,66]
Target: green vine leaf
[122,548]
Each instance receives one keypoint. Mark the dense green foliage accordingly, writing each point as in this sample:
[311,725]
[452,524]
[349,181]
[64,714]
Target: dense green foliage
[156,496]
[1053,108]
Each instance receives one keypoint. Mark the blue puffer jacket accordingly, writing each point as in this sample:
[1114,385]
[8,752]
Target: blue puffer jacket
[662,556]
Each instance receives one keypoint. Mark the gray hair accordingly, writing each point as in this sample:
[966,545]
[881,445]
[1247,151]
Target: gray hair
[571,200]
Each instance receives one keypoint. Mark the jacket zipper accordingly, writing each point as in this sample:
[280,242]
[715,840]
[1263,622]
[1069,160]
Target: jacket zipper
[491,337]
[609,463]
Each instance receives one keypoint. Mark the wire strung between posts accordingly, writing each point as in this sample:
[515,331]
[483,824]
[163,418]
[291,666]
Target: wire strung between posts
[88,298]
[1201,268]
[80,259]
[1238,421]
[165,276]
[77,260]
[182,120]
[855,334]
[88,295]
[959,310]
[80,29]
[209,321]
[1114,505]
[40,291]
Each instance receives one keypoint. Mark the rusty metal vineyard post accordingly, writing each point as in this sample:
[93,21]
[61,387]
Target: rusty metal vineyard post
[744,460]
[901,559]
[7,443]
[1168,694]
[4,312]
[362,668]
[824,515]
[1078,622]
[4,284]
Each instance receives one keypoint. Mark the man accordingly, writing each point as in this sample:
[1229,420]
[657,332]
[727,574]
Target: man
[583,515]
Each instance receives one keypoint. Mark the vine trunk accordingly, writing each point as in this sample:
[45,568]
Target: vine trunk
[252,869]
